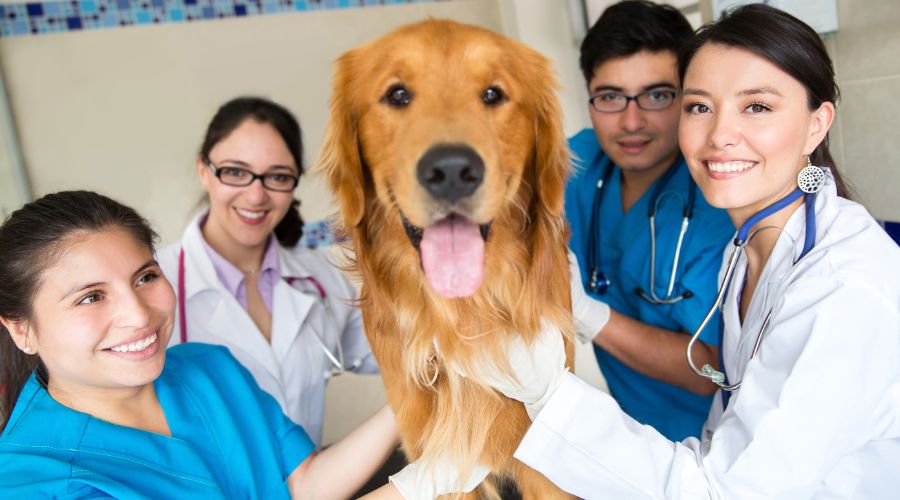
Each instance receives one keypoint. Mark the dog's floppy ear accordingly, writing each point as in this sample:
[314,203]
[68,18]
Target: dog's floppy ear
[551,148]
[340,159]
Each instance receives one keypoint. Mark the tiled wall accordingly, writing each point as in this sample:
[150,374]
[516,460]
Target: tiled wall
[318,234]
[866,136]
[36,18]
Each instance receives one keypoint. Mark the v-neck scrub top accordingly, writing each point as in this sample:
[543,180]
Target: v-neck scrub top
[229,440]
[624,254]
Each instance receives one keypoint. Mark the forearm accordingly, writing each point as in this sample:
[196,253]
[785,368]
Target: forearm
[657,352]
[344,467]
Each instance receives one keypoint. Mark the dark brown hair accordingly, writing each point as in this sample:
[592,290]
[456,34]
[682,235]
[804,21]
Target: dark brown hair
[31,240]
[631,26]
[231,115]
[786,42]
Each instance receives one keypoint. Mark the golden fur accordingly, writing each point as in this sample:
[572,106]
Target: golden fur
[369,158]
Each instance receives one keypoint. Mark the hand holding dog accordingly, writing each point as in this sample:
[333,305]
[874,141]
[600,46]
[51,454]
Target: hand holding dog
[590,314]
[424,480]
[537,370]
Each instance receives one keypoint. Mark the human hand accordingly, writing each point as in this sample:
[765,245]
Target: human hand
[590,314]
[537,369]
[426,480]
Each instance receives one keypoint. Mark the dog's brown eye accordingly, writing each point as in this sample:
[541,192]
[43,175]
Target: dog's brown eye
[397,96]
[493,96]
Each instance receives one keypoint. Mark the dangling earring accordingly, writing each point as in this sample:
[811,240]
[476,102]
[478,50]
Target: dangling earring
[811,178]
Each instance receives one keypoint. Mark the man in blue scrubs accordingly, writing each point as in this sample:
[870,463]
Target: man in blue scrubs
[629,62]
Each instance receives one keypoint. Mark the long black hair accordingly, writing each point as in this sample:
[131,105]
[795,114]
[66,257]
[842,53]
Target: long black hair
[231,115]
[31,240]
[786,42]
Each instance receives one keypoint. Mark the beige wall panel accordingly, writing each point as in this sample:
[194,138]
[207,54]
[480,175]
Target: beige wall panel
[871,148]
[546,27]
[867,43]
[864,52]
[122,111]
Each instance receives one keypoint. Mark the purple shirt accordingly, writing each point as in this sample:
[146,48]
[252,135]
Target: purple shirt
[233,279]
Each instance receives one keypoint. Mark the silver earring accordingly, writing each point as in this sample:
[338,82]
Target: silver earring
[811,178]
[27,350]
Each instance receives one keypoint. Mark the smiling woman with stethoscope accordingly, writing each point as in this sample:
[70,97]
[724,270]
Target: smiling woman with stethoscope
[810,299]
[285,312]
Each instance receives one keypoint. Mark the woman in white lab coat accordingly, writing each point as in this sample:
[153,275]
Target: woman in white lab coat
[816,410]
[284,312]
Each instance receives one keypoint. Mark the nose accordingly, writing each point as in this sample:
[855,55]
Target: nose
[256,192]
[450,172]
[723,133]
[632,119]
[133,310]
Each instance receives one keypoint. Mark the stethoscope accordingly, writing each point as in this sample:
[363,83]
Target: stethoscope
[743,238]
[336,358]
[598,281]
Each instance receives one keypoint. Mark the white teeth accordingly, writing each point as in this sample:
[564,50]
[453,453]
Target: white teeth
[730,166]
[140,345]
[250,215]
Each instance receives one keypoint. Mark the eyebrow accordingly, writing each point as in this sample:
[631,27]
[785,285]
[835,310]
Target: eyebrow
[239,163]
[690,91]
[760,90]
[85,286]
[645,88]
[746,92]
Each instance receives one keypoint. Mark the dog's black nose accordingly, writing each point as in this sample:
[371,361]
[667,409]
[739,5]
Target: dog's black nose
[451,172]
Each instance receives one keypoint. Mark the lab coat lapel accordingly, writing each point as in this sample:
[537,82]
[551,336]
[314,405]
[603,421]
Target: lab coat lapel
[290,307]
[231,322]
[227,319]
[771,281]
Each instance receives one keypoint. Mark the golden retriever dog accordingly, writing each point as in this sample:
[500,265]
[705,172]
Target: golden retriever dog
[447,156]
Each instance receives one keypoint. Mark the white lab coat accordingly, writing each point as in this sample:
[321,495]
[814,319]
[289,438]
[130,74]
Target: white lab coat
[293,368]
[818,412]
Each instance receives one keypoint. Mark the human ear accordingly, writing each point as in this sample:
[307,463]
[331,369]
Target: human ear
[19,330]
[203,172]
[820,121]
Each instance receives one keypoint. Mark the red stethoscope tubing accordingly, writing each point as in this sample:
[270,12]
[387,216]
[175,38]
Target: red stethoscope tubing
[182,309]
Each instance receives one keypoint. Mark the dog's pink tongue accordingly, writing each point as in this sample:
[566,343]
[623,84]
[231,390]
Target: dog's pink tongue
[453,257]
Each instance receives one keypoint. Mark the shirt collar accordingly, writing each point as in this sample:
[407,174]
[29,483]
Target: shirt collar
[229,275]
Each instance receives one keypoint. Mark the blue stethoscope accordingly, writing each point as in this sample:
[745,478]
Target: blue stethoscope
[743,238]
[598,281]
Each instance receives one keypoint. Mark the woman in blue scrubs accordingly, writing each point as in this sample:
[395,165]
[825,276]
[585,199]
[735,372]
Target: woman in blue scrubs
[93,404]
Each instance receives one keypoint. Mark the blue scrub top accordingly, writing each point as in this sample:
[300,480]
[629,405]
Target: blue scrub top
[229,440]
[625,258]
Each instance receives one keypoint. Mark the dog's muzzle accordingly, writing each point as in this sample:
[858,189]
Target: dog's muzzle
[450,172]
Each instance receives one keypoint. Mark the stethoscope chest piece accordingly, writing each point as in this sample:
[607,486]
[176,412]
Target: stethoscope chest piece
[599,282]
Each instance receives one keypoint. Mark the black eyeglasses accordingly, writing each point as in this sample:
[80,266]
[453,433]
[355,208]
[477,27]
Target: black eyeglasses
[240,177]
[649,100]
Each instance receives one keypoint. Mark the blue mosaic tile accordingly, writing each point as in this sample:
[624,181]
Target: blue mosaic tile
[318,234]
[34,9]
[36,18]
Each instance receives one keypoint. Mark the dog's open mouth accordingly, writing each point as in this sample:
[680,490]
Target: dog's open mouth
[452,253]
